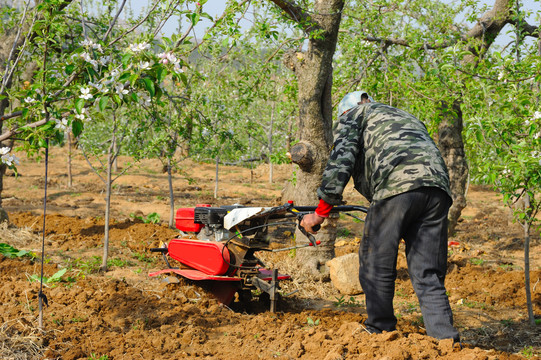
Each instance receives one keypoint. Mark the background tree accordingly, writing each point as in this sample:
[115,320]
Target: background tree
[312,66]
[426,65]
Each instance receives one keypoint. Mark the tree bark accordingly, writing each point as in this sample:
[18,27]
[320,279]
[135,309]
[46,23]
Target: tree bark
[313,69]
[108,185]
[171,194]
[70,146]
[451,146]
[479,39]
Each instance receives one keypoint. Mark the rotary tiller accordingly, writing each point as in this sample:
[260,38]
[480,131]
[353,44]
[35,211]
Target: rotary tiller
[225,240]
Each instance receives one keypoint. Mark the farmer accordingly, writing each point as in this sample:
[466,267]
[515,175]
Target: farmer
[398,168]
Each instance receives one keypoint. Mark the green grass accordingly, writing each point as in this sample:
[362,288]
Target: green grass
[87,266]
[117,262]
[509,267]
[476,261]
[143,258]
[55,278]
[343,232]
[343,302]
[475,305]
[10,252]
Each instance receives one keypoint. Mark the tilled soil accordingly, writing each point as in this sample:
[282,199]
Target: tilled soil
[124,314]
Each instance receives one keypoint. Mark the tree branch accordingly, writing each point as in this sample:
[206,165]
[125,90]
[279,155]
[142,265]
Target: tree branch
[113,22]
[17,130]
[487,28]
[297,14]
[136,25]
[525,28]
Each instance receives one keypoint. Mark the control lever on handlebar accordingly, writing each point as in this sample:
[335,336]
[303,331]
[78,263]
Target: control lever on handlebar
[300,211]
[310,237]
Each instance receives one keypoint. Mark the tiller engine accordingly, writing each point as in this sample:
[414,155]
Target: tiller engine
[222,250]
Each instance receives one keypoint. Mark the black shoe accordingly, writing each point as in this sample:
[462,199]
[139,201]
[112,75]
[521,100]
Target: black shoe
[370,329]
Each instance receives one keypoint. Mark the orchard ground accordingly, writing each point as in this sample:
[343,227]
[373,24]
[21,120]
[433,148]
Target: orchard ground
[124,314]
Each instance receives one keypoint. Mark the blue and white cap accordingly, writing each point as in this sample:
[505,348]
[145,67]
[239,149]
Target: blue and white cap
[351,100]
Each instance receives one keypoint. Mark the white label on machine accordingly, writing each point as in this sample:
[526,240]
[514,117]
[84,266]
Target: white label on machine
[237,216]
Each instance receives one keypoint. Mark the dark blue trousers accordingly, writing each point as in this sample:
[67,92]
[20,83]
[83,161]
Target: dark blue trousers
[420,218]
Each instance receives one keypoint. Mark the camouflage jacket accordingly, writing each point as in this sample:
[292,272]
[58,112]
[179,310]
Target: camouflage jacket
[387,152]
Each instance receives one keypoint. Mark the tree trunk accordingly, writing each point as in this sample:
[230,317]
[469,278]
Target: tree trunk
[289,133]
[8,39]
[111,157]
[313,69]
[171,195]
[3,214]
[451,146]
[108,186]
[70,175]
[529,305]
[216,180]
[481,36]
[269,140]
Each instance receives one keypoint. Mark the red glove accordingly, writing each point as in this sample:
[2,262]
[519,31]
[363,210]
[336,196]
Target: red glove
[323,209]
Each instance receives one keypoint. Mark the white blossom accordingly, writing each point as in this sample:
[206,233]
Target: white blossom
[537,136]
[144,98]
[104,60]
[29,100]
[92,45]
[144,65]
[100,87]
[86,57]
[86,43]
[82,116]
[120,90]
[85,93]
[139,47]
[61,124]
[168,58]
[536,115]
[163,57]
[7,158]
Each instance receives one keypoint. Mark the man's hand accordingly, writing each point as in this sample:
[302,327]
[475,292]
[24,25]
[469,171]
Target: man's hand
[311,220]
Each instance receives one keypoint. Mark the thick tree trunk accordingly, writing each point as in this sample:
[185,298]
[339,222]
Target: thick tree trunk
[451,146]
[313,69]
[480,37]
